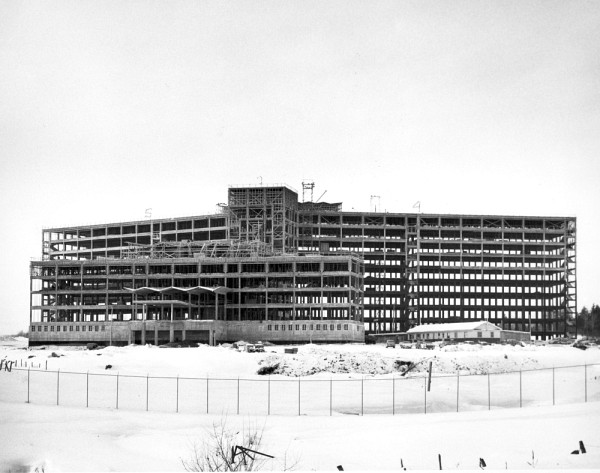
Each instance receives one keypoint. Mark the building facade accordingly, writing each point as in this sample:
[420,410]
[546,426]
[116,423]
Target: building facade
[518,272]
[480,331]
[386,272]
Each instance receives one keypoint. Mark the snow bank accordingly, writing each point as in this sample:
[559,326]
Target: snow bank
[65,439]
[467,359]
[353,360]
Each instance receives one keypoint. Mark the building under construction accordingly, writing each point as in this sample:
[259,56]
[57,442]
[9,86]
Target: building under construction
[269,267]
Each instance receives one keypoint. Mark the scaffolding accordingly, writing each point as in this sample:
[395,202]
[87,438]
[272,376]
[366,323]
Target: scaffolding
[196,250]
[267,214]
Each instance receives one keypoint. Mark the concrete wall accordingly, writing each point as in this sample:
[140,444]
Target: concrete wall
[204,331]
[302,331]
[123,333]
[78,333]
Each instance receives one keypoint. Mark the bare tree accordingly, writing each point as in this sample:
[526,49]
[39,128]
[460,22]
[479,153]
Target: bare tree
[224,448]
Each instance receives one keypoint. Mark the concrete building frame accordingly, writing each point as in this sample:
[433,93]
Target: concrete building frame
[518,272]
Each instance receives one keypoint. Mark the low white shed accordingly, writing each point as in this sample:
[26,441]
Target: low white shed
[480,330]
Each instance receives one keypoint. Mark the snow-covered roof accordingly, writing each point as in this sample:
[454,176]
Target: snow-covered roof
[454,327]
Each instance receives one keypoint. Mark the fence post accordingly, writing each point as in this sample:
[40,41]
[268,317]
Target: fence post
[457,388]
[299,378]
[147,376]
[269,395]
[520,388]
[117,390]
[28,371]
[489,394]
[57,384]
[330,396]
[429,377]
[393,396]
[207,393]
[362,396]
[87,389]
[177,396]
[238,396]
[553,385]
[425,391]
[585,380]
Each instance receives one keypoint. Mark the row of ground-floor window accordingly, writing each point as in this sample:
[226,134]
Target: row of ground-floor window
[303,327]
[68,328]
[452,335]
[102,328]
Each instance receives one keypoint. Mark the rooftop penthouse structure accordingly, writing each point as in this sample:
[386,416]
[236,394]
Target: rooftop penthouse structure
[268,267]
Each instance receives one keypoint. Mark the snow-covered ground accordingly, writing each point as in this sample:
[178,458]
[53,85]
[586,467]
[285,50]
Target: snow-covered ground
[79,439]
[71,437]
[352,360]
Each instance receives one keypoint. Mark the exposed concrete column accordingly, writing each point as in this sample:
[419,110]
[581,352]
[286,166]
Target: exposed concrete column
[294,292]
[211,337]
[171,328]
[144,308]
[183,334]
[155,333]
[130,335]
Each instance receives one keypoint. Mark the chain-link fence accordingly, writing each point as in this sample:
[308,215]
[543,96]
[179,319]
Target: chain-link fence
[278,395]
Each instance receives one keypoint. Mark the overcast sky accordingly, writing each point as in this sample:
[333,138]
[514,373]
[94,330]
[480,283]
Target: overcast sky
[110,107]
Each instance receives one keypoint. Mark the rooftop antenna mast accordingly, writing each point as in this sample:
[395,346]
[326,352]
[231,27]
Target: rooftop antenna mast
[308,186]
[154,236]
[378,198]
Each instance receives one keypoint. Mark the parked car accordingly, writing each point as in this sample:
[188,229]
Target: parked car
[560,341]
[390,344]
[581,345]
